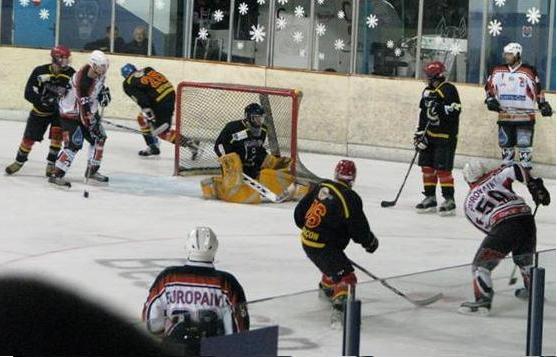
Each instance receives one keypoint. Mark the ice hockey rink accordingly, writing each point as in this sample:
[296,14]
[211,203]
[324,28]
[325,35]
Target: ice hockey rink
[110,246]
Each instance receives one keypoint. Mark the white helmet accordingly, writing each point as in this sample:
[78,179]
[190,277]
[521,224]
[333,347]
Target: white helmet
[514,48]
[201,245]
[99,62]
[473,171]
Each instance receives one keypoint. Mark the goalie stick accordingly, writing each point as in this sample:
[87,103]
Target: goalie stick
[420,302]
[265,192]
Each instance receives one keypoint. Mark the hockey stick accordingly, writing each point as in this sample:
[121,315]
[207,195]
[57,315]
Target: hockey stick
[513,279]
[422,302]
[188,142]
[416,152]
[264,191]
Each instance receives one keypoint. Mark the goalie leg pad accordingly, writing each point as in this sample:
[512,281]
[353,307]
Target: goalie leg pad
[208,188]
[241,193]
[276,181]
[231,170]
[276,163]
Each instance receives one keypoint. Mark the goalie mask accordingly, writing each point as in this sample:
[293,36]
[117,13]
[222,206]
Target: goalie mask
[254,115]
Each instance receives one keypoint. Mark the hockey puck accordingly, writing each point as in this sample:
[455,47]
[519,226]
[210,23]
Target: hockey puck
[86,194]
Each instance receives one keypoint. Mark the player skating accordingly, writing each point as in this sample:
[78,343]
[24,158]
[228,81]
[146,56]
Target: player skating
[436,139]
[240,148]
[192,301]
[81,121]
[513,90]
[155,95]
[494,208]
[330,215]
[45,86]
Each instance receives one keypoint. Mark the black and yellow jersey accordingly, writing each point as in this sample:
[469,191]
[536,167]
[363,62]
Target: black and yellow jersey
[446,128]
[330,215]
[148,88]
[44,82]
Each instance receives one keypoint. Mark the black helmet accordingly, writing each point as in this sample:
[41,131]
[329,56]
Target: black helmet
[254,118]
[253,109]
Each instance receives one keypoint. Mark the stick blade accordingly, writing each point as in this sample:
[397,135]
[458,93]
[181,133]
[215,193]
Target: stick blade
[387,203]
[428,301]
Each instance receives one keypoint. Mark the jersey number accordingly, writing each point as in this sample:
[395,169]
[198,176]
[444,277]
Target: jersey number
[486,205]
[154,79]
[314,214]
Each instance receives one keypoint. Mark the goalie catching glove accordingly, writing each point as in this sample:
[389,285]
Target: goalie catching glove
[539,193]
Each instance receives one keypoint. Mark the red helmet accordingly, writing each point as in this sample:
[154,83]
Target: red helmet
[60,55]
[434,69]
[345,171]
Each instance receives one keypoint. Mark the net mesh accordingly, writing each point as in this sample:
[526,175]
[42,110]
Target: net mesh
[205,108]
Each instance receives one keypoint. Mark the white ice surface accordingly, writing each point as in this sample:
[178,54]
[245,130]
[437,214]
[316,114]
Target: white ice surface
[110,246]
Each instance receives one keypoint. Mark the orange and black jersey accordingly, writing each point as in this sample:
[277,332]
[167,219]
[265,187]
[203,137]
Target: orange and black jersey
[330,215]
[236,137]
[194,287]
[148,87]
[44,82]
[447,96]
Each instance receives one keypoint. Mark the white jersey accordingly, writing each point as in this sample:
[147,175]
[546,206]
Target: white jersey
[517,90]
[81,86]
[492,199]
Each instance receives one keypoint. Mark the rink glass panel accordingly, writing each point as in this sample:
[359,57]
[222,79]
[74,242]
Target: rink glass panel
[84,23]
[210,29]
[129,16]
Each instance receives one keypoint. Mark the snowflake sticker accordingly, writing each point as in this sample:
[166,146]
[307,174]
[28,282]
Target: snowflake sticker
[243,8]
[121,2]
[372,21]
[281,23]
[261,2]
[299,11]
[533,15]
[159,4]
[297,37]
[320,2]
[500,3]
[24,3]
[203,34]
[321,56]
[495,28]
[303,53]
[320,29]
[44,14]
[398,52]
[390,44]
[69,3]
[339,45]
[455,49]
[218,15]
[341,15]
[282,2]
[257,33]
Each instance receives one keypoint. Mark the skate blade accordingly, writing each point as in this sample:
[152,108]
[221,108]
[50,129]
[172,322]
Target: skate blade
[337,320]
[426,210]
[479,311]
[447,213]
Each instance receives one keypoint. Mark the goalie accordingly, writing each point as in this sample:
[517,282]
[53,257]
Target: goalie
[240,151]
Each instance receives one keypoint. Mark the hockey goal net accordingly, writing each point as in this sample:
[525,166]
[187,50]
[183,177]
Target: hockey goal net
[203,109]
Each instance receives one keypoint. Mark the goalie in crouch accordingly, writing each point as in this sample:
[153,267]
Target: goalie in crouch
[240,150]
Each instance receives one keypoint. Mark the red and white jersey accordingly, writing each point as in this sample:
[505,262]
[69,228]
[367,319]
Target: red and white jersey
[81,86]
[492,200]
[517,90]
[189,289]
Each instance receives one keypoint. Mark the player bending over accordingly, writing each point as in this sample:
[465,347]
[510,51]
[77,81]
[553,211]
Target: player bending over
[240,148]
[494,208]
[513,90]
[81,120]
[45,86]
[192,301]
[330,215]
[439,112]
[155,95]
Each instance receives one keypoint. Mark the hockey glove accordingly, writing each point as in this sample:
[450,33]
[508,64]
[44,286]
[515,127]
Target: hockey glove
[148,114]
[104,97]
[420,140]
[372,247]
[49,100]
[493,104]
[545,109]
[539,193]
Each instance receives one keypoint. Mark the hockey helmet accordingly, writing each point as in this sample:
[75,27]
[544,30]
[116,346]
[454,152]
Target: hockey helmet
[99,62]
[60,55]
[473,171]
[434,70]
[514,48]
[254,115]
[202,245]
[127,69]
[346,171]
